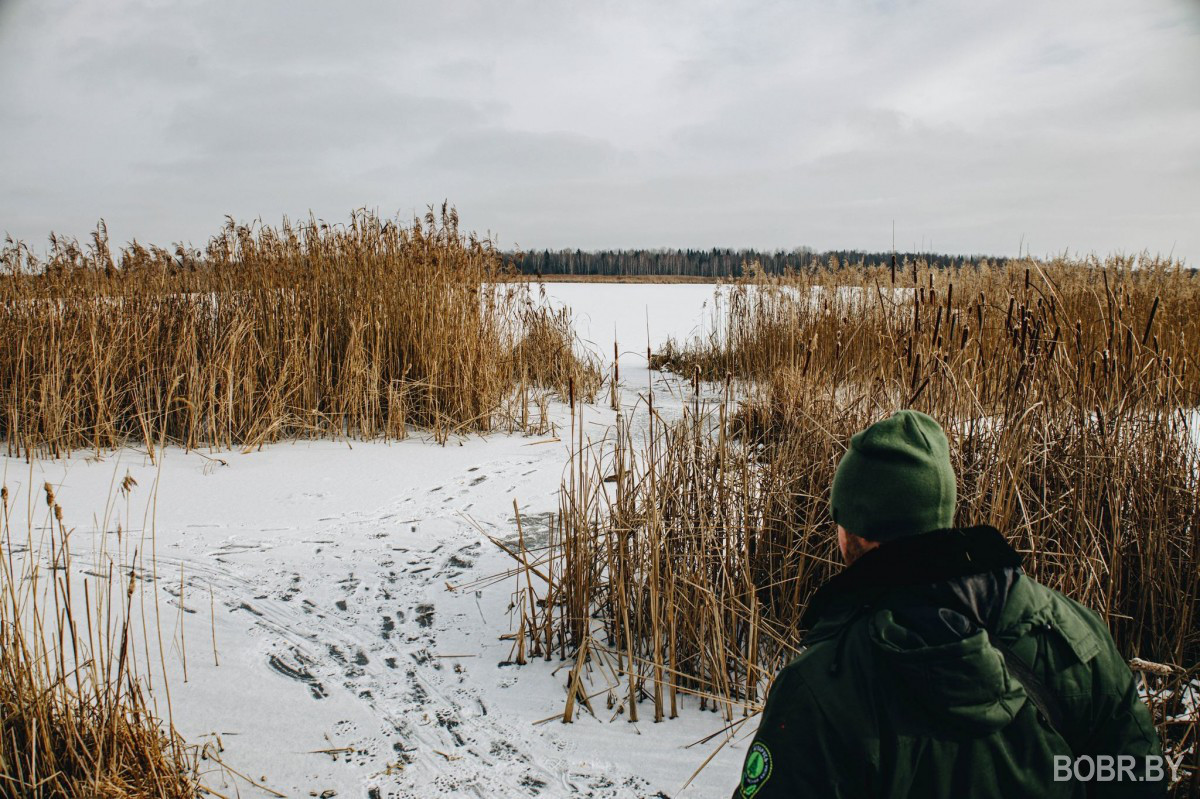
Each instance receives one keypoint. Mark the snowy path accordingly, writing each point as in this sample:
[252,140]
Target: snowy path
[340,633]
[346,663]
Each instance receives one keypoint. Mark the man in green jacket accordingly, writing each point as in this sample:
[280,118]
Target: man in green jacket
[934,667]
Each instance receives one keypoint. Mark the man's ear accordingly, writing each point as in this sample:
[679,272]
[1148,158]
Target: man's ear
[853,546]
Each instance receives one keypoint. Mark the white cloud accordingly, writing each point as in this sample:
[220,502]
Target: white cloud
[974,125]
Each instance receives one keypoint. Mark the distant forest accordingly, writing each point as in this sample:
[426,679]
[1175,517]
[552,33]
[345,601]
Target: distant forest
[709,263]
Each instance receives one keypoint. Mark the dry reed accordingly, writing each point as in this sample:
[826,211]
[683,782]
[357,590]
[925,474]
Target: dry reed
[74,719]
[365,329]
[682,562]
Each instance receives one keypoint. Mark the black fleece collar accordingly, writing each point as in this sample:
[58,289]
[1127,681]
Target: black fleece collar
[915,560]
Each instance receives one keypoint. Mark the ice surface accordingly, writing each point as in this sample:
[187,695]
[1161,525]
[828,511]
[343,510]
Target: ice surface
[346,664]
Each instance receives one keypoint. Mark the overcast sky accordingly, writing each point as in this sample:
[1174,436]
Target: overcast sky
[973,125]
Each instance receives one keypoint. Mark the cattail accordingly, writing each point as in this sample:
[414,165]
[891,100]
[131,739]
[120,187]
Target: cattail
[735,538]
[64,685]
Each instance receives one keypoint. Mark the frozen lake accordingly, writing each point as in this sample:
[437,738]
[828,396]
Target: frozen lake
[637,314]
[325,571]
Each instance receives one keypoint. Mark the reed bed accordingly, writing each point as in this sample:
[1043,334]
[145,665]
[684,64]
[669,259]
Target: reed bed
[365,329]
[683,559]
[74,716]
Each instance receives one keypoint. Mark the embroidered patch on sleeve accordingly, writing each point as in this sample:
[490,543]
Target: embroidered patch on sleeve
[757,770]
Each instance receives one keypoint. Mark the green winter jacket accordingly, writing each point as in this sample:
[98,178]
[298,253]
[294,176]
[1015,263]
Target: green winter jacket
[901,689]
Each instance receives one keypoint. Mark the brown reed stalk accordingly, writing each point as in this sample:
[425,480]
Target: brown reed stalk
[1069,394]
[74,719]
[311,329]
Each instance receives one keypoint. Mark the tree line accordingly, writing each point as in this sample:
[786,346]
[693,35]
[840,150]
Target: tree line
[713,263]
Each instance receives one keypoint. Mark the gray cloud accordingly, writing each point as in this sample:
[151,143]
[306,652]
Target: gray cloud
[974,126]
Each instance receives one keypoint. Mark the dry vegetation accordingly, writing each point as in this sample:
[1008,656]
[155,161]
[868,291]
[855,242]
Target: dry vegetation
[567,278]
[683,562]
[74,719]
[365,329]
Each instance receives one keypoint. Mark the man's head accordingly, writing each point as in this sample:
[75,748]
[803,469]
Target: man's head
[895,480]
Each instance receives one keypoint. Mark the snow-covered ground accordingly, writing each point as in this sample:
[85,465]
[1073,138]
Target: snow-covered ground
[325,570]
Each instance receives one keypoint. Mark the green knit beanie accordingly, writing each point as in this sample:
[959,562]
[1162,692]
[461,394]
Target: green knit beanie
[895,480]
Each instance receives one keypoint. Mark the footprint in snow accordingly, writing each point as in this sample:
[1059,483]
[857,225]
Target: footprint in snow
[297,671]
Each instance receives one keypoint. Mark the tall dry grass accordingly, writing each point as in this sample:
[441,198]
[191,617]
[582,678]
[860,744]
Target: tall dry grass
[365,329]
[74,717]
[682,561]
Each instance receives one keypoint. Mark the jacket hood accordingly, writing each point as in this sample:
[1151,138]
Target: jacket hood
[954,677]
[903,564]
[930,605]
